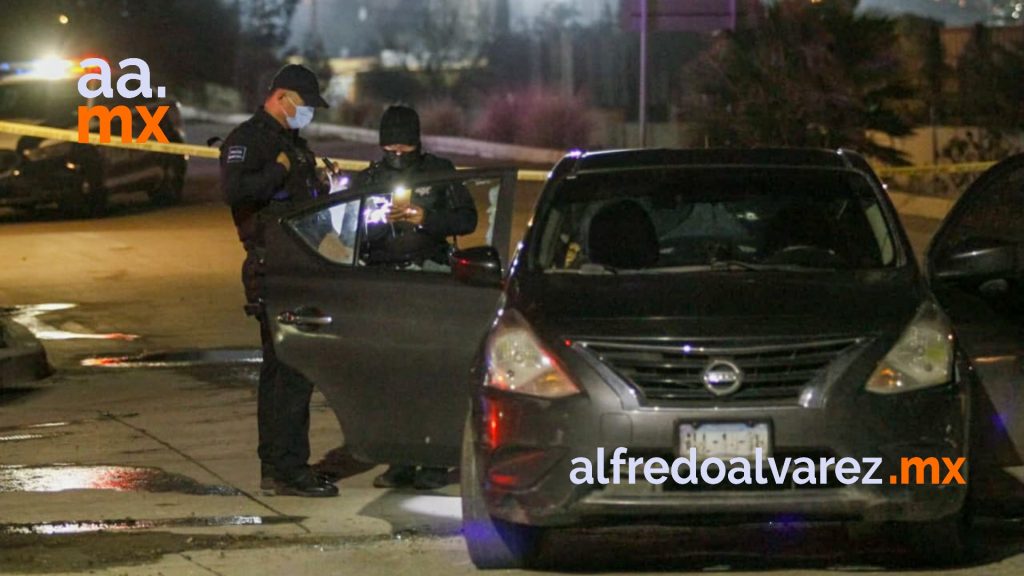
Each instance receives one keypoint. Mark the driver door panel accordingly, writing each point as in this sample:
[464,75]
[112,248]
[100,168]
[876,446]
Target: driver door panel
[393,347]
[989,325]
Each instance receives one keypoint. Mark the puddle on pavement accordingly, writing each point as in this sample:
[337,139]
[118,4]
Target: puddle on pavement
[29,317]
[179,359]
[29,436]
[130,524]
[58,478]
[44,425]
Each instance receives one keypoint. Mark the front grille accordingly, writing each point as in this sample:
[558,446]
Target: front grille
[669,371]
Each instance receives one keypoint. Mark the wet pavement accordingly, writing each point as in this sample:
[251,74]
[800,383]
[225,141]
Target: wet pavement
[138,455]
[178,359]
[31,317]
[28,436]
[131,524]
[58,478]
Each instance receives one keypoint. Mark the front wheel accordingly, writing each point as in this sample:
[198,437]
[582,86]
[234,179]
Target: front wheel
[169,191]
[84,199]
[944,542]
[492,543]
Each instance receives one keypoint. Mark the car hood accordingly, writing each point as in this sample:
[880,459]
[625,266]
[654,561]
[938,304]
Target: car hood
[719,304]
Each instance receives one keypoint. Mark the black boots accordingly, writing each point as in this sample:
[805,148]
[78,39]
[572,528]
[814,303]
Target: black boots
[308,484]
[403,476]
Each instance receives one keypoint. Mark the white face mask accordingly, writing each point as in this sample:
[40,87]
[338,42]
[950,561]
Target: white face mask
[303,116]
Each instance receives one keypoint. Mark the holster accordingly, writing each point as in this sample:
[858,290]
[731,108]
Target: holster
[252,280]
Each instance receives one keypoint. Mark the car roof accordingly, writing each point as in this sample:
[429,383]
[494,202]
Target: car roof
[613,160]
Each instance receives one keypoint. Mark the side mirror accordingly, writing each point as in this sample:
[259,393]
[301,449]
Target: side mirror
[979,259]
[477,266]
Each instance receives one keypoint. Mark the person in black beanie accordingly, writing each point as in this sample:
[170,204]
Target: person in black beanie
[421,229]
[420,235]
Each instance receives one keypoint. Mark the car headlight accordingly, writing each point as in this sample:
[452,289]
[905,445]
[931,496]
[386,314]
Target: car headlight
[921,358]
[517,362]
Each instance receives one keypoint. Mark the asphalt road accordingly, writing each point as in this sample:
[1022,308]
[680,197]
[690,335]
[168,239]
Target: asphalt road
[162,457]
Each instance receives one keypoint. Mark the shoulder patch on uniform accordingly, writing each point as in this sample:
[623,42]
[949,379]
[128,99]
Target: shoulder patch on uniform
[236,154]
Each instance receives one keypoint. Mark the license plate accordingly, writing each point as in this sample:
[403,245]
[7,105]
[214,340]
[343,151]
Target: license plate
[725,440]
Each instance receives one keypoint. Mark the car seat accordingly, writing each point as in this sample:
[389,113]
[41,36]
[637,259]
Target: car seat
[621,235]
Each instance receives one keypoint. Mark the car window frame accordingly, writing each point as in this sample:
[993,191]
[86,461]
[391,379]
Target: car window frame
[904,258]
[975,193]
[500,236]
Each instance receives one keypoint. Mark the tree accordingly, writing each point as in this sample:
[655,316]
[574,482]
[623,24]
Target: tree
[803,74]
[924,56]
[989,88]
[450,35]
[263,30]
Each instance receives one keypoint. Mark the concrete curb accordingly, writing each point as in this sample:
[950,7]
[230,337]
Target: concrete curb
[22,357]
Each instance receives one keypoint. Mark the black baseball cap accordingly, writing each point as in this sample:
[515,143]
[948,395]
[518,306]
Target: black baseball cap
[298,78]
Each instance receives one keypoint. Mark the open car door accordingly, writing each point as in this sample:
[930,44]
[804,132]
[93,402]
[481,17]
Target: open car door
[975,268]
[390,346]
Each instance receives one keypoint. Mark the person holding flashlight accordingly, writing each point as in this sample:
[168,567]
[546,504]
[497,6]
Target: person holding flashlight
[421,219]
[419,222]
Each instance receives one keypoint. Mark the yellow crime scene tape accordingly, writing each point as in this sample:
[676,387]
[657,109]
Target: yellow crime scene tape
[190,150]
[964,168]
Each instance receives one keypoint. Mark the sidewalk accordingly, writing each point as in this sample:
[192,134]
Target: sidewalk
[169,452]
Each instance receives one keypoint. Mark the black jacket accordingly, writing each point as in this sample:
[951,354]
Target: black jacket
[448,210]
[252,179]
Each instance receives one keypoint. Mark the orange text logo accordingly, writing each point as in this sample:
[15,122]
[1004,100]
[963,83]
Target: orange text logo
[129,85]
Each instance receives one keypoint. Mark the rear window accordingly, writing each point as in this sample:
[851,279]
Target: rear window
[666,220]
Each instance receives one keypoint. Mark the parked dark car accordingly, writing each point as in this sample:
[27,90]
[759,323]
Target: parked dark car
[765,297]
[79,178]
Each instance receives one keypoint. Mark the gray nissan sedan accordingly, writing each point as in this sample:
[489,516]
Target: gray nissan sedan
[667,310]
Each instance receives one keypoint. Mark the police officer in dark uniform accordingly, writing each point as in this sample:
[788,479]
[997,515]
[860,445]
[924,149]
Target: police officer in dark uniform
[266,167]
[418,234]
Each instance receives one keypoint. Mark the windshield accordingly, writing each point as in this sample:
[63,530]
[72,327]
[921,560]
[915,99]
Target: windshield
[666,220]
[48,100]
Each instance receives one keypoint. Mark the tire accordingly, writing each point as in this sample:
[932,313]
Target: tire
[940,543]
[84,200]
[169,191]
[492,543]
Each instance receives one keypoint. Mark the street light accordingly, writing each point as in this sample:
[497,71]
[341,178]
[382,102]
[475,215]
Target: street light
[63,19]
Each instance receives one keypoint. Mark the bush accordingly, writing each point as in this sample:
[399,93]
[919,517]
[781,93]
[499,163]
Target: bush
[535,117]
[442,118]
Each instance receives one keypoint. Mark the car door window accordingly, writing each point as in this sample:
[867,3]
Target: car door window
[331,231]
[996,214]
[357,231]
[989,214]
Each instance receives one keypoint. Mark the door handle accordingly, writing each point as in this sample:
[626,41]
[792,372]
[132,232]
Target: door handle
[301,320]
